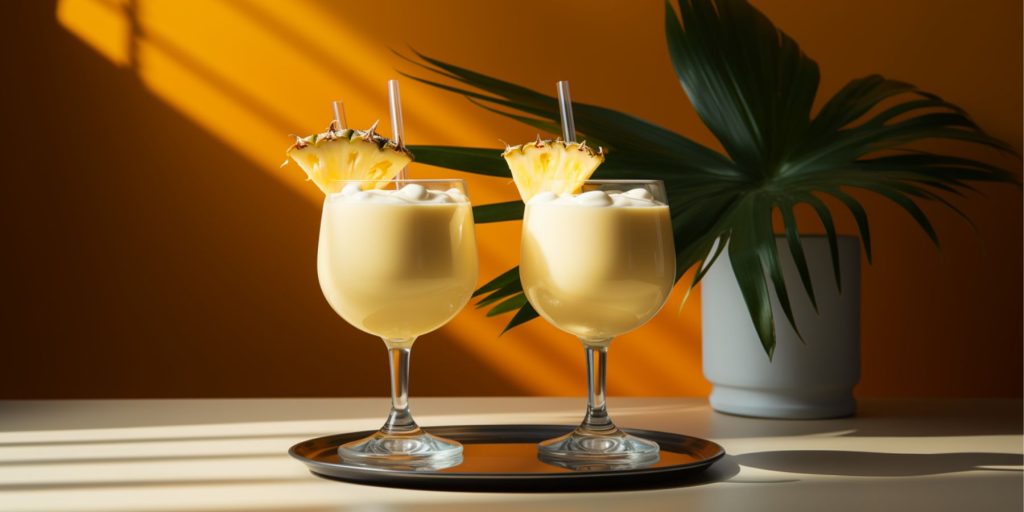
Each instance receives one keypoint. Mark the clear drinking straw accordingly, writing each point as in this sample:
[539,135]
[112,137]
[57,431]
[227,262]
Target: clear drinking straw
[397,127]
[565,107]
[339,114]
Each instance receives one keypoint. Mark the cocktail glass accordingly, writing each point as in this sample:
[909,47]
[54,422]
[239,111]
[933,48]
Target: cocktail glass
[398,263]
[598,270]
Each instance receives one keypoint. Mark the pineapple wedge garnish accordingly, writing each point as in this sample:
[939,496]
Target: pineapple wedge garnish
[336,155]
[551,166]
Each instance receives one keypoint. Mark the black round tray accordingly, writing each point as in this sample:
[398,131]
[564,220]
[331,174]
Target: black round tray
[504,458]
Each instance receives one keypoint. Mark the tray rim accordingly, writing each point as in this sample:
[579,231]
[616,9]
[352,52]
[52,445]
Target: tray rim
[571,475]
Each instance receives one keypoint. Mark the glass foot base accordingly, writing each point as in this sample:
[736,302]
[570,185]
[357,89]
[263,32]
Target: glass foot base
[581,449]
[416,450]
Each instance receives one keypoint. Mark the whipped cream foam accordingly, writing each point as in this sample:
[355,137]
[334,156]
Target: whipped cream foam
[412,193]
[637,197]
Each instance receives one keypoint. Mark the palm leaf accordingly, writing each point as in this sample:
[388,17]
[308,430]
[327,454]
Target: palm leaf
[475,160]
[796,249]
[830,231]
[498,212]
[525,314]
[501,293]
[860,216]
[748,81]
[754,88]
[621,131]
[513,303]
[509,276]
[745,258]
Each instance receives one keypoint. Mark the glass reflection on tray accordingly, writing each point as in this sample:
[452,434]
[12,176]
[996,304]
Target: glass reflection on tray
[523,458]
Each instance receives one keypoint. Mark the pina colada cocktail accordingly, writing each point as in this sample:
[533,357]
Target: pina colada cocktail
[397,259]
[397,263]
[597,264]
[597,261]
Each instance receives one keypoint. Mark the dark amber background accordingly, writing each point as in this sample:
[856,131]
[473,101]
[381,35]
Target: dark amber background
[152,247]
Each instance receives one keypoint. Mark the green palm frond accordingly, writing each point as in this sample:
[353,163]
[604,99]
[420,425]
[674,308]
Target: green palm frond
[754,88]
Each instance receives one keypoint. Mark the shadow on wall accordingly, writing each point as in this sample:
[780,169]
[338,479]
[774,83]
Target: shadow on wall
[137,241]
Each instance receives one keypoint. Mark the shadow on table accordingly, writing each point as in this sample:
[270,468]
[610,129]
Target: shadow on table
[53,486]
[881,418]
[851,463]
[284,433]
[141,458]
[86,414]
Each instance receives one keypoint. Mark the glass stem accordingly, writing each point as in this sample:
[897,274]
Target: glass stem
[400,420]
[597,419]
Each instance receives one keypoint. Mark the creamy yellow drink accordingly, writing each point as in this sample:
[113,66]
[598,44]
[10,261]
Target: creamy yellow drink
[397,263]
[397,259]
[597,264]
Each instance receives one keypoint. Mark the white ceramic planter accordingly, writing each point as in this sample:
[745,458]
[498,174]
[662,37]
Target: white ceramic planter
[812,380]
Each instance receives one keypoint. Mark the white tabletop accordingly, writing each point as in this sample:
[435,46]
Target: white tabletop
[147,455]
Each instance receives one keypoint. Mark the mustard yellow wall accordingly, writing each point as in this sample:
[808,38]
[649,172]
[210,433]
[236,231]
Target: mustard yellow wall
[154,248]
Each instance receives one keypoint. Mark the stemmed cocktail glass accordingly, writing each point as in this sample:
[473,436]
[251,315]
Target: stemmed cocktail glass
[596,265]
[398,263]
